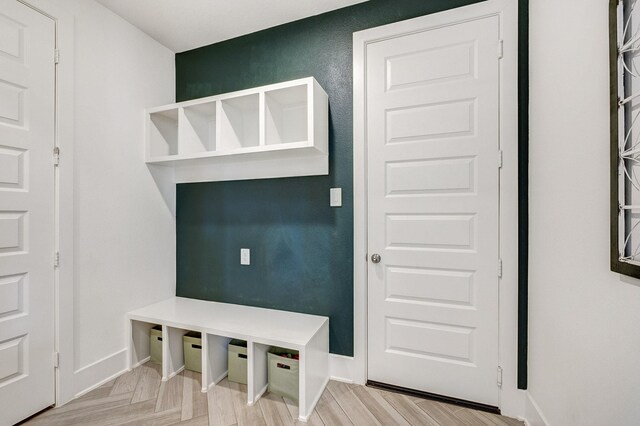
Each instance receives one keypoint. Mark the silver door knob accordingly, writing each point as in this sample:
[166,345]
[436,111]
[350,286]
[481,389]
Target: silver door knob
[375,258]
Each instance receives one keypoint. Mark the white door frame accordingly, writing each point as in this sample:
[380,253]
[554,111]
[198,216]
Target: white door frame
[64,140]
[511,399]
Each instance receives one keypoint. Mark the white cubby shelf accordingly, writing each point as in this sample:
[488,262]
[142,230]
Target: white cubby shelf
[280,130]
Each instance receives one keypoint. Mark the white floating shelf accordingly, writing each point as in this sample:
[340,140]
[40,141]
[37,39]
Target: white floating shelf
[280,130]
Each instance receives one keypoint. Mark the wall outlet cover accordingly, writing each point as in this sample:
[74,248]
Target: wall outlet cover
[245,256]
[335,199]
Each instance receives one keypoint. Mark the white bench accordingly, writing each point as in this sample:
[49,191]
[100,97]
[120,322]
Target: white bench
[221,322]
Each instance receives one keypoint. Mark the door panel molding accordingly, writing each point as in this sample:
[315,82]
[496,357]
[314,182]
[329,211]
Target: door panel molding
[511,399]
[27,225]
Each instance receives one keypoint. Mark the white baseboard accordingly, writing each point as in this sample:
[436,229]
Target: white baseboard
[315,402]
[172,375]
[217,380]
[258,395]
[342,368]
[139,363]
[220,377]
[100,372]
[533,414]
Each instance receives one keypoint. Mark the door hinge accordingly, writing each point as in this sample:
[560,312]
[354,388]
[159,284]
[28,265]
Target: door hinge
[56,259]
[500,159]
[56,56]
[500,49]
[56,360]
[499,377]
[56,156]
[499,268]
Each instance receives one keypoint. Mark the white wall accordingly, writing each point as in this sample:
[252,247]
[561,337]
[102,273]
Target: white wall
[124,229]
[584,347]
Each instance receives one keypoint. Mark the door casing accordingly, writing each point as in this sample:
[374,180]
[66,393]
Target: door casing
[511,399]
[64,140]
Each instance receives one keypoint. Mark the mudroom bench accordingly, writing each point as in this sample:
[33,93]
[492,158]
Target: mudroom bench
[219,323]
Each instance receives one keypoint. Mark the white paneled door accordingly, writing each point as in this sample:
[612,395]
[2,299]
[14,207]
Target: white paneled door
[433,175]
[27,90]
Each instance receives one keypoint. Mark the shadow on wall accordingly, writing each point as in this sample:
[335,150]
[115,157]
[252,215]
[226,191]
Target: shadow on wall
[163,177]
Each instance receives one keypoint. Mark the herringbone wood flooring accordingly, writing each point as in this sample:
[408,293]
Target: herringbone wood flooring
[139,397]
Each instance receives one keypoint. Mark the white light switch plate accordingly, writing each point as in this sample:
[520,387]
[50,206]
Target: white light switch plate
[245,256]
[335,197]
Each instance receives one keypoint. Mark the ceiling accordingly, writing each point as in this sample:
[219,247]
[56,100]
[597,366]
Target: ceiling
[186,24]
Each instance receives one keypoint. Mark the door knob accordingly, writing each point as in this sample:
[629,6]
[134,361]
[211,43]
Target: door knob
[375,258]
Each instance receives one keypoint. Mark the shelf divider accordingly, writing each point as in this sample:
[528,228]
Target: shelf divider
[262,118]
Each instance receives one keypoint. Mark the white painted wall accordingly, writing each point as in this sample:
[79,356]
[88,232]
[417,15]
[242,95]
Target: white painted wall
[584,347]
[124,229]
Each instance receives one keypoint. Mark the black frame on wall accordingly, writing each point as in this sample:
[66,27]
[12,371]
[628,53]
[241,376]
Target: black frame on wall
[617,264]
[523,191]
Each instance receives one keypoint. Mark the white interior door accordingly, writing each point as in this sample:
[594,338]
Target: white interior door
[433,175]
[27,78]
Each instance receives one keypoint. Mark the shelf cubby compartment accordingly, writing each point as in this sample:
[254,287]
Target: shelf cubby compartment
[162,133]
[172,351]
[286,115]
[140,333]
[239,122]
[214,359]
[198,128]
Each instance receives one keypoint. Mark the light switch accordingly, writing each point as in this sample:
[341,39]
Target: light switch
[335,197]
[245,256]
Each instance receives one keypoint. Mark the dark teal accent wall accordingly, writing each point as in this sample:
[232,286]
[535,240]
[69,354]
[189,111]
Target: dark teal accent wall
[302,250]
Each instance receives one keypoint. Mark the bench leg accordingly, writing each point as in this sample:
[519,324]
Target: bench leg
[257,371]
[314,372]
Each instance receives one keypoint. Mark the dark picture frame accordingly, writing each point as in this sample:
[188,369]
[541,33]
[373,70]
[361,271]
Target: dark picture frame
[617,264]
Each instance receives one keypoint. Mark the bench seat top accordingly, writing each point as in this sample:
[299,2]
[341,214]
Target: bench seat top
[268,326]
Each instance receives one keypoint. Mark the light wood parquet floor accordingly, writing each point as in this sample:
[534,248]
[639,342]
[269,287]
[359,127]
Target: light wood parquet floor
[139,397]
